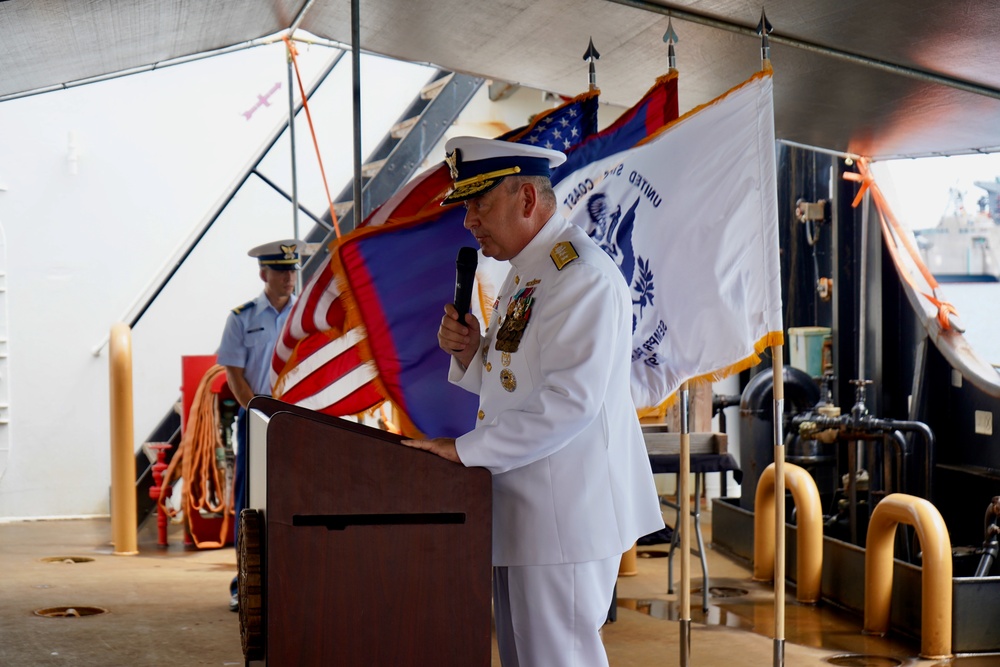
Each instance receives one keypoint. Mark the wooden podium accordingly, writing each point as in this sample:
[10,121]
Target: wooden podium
[367,552]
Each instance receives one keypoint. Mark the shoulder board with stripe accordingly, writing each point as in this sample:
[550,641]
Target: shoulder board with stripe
[238,309]
[562,254]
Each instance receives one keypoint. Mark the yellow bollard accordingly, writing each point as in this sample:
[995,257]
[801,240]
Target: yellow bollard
[628,567]
[809,542]
[123,512]
[935,543]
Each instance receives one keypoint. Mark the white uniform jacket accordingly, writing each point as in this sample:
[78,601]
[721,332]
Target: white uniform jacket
[557,426]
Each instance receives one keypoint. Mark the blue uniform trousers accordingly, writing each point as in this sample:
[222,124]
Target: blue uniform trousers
[239,479]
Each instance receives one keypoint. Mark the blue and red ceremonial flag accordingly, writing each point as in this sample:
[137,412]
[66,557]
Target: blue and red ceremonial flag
[323,358]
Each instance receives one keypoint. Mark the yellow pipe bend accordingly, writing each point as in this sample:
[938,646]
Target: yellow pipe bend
[935,543]
[809,541]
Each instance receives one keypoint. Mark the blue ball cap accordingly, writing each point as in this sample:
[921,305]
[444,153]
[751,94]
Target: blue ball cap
[478,165]
[279,255]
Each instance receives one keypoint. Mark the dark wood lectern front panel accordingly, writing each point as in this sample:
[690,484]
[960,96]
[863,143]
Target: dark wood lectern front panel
[377,554]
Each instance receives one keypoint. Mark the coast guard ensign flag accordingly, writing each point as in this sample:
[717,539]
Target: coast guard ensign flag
[690,216]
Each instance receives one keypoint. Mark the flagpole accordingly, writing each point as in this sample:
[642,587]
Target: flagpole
[779,508]
[684,473]
[684,525]
[763,29]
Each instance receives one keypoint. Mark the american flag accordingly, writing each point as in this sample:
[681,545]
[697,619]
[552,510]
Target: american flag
[326,370]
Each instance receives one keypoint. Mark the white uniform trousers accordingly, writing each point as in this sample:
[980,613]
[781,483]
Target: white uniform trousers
[551,615]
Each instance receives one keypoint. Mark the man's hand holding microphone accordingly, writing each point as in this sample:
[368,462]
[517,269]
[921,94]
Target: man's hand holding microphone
[459,333]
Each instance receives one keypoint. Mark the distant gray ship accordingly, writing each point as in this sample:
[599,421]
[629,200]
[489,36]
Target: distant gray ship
[965,247]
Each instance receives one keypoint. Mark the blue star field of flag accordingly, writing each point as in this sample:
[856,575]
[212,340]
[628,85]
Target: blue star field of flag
[561,128]
[556,133]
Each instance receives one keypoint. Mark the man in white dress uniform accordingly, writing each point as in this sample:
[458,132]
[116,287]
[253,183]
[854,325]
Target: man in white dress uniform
[572,487]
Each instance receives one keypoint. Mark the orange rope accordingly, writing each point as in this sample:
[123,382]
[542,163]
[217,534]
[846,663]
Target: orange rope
[887,219]
[312,130]
[390,425]
[204,480]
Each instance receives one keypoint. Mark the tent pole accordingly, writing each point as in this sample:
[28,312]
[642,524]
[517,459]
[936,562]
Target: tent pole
[359,214]
[291,148]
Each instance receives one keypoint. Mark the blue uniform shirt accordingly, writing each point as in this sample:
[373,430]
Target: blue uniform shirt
[249,337]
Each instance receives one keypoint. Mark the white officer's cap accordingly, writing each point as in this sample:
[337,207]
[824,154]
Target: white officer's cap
[478,165]
[279,255]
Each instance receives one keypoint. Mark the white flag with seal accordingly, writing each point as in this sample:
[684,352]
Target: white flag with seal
[691,218]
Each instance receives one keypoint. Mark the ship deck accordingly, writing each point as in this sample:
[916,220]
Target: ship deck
[169,606]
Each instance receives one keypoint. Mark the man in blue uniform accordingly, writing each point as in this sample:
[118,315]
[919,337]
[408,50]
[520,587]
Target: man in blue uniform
[572,486]
[248,345]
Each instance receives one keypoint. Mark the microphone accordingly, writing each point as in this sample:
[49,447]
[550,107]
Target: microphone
[465,274]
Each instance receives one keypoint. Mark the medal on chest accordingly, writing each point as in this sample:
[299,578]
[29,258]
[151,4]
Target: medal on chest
[515,321]
[507,380]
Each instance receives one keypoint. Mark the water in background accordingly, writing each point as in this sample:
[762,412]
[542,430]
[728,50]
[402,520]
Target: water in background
[978,306]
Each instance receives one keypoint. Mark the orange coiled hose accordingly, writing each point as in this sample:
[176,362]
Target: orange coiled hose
[204,479]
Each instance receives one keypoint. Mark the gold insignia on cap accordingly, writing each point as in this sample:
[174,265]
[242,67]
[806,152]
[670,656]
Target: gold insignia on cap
[452,160]
[466,191]
[289,251]
[489,177]
[562,254]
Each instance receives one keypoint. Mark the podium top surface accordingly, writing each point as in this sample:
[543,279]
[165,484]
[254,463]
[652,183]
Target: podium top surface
[296,444]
